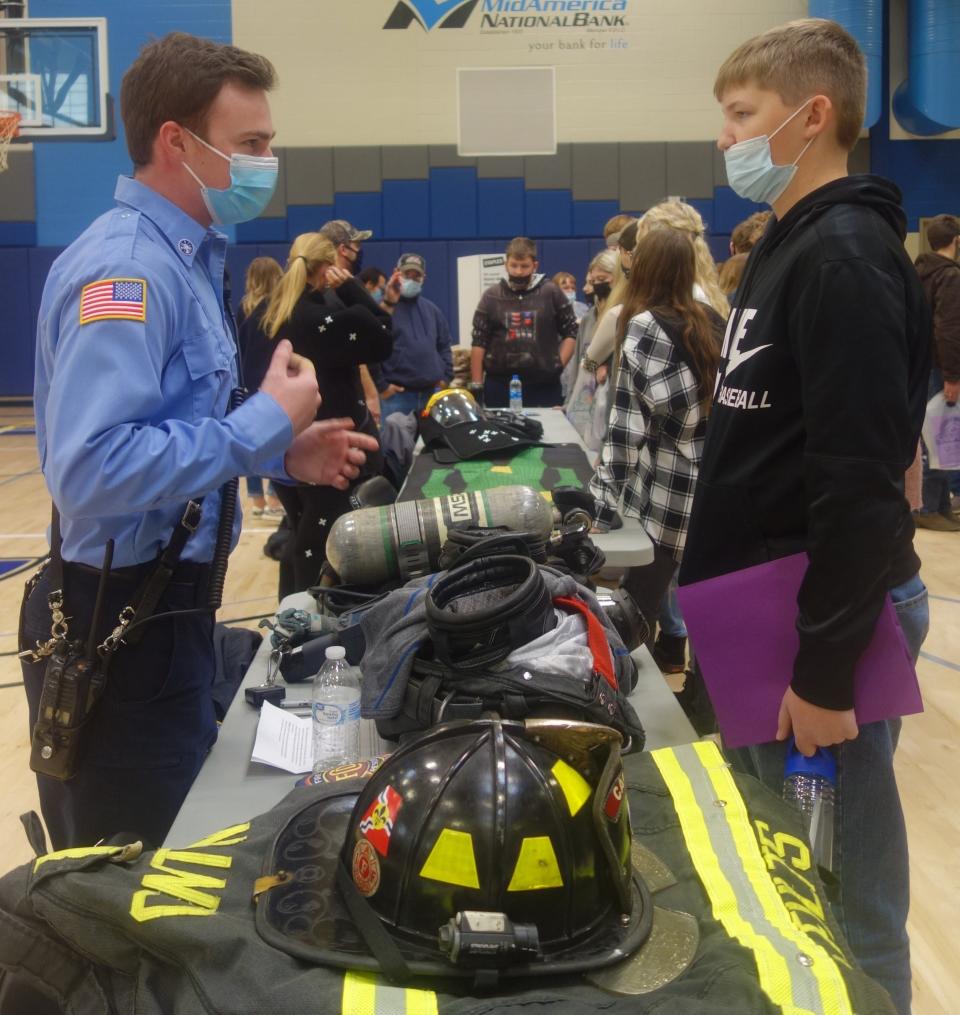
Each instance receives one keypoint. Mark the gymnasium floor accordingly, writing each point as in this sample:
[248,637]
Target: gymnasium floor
[927,761]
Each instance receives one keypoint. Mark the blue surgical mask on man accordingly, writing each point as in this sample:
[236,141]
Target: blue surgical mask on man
[751,171]
[376,294]
[410,288]
[253,179]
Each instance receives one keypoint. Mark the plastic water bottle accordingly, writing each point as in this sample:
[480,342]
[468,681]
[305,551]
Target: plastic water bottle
[809,784]
[336,712]
[516,394]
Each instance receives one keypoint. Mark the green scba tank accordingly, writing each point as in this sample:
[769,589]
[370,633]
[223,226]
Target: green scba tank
[373,545]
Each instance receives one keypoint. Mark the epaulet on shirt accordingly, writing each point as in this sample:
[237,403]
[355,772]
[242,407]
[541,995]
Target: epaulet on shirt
[117,295]
[122,226]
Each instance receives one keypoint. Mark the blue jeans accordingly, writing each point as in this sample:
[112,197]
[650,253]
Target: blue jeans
[255,487]
[936,482]
[870,845]
[671,620]
[404,401]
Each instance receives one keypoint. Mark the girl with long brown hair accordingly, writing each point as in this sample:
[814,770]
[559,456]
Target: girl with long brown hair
[670,352]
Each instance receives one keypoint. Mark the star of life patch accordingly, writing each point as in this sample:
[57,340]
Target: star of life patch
[114,299]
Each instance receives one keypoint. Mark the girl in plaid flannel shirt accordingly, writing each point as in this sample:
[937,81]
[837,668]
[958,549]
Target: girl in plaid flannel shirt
[670,344]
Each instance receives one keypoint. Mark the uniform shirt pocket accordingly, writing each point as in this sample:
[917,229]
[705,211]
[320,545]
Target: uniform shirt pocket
[209,369]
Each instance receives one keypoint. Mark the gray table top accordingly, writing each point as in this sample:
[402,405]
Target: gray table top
[231,788]
[626,547]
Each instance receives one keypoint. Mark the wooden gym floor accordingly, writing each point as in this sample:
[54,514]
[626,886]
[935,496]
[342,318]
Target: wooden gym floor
[927,760]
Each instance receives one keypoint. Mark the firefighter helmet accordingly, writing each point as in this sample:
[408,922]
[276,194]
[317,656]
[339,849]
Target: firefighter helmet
[500,846]
[453,423]
[451,406]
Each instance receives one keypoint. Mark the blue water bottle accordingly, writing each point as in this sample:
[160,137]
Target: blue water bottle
[516,394]
[809,784]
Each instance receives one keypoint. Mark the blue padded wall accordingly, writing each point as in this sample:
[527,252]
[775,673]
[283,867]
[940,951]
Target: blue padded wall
[453,202]
[365,210]
[306,218]
[500,208]
[17,333]
[406,208]
[18,234]
[549,212]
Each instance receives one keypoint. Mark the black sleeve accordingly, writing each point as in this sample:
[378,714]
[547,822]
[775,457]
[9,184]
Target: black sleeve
[853,360]
[339,338]
[257,348]
[353,294]
[482,331]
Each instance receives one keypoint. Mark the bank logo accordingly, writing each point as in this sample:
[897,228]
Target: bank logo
[431,13]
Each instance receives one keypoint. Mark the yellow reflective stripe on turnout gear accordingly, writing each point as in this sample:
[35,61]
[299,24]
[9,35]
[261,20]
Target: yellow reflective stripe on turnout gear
[77,853]
[795,972]
[365,994]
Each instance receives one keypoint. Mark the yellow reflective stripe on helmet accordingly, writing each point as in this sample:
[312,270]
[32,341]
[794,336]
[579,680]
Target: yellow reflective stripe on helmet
[794,971]
[365,994]
[451,861]
[536,866]
[576,790]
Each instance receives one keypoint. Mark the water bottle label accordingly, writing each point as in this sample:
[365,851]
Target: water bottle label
[328,714]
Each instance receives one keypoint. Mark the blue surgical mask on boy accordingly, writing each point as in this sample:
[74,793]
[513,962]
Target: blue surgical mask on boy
[253,179]
[751,171]
[376,295]
[410,288]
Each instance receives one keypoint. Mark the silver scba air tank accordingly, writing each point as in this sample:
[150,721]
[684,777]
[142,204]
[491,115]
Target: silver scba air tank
[373,545]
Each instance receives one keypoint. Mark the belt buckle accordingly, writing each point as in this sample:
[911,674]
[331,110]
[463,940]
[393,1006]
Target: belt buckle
[191,516]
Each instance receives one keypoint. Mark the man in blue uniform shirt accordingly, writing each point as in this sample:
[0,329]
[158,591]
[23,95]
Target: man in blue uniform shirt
[136,360]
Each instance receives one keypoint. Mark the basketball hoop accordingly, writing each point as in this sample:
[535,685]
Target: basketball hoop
[9,128]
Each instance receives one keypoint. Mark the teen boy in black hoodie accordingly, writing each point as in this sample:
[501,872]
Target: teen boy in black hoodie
[817,410]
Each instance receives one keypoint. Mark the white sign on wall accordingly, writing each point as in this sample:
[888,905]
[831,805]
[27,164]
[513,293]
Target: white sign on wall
[475,274]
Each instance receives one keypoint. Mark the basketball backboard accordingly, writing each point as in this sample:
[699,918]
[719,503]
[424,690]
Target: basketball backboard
[53,72]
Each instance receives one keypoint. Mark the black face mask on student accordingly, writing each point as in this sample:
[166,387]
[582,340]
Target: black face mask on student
[601,290]
[519,282]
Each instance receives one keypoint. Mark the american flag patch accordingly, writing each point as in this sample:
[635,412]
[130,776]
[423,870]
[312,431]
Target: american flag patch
[114,299]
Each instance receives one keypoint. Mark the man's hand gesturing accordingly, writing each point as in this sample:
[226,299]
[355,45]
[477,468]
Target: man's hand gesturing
[291,382]
[328,453]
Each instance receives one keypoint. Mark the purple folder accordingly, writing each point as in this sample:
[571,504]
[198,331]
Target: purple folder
[742,627]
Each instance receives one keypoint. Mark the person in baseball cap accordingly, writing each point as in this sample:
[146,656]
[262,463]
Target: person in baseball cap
[422,360]
[413,263]
[347,239]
